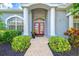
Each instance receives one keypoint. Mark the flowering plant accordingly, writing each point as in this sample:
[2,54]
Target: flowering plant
[72,31]
[73,36]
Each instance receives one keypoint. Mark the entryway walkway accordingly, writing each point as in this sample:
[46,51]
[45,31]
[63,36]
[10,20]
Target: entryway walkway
[39,47]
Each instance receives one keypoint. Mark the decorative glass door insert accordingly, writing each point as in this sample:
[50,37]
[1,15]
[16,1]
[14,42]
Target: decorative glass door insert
[39,28]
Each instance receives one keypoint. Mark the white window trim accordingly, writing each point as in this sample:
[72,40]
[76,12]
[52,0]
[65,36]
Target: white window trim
[77,22]
[11,17]
[71,21]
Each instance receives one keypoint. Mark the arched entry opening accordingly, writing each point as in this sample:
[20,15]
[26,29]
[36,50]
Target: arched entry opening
[39,16]
[39,19]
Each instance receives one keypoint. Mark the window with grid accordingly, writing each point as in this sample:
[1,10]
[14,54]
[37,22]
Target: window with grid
[15,23]
[76,23]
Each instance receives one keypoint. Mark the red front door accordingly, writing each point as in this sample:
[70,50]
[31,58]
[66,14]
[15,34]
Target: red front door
[39,28]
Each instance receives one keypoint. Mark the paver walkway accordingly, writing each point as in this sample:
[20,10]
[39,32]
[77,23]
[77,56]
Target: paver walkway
[39,47]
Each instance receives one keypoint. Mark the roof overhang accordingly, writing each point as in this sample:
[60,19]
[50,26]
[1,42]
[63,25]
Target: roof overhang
[11,10]
[58,5]
[68,14]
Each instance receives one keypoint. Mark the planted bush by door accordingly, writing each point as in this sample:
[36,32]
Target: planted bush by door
[59,44]
[21,43]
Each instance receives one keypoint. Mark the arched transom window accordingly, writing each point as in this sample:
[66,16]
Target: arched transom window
[15,23]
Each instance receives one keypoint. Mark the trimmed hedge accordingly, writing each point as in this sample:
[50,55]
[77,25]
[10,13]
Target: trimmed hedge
[59,44]
[21,43]
[7,35]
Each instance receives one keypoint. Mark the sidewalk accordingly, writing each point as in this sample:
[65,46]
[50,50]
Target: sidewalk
[39,47]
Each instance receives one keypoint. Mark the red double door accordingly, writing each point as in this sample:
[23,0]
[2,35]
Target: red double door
[39,28]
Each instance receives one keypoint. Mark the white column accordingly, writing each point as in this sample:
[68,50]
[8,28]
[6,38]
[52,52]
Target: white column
[70,21]
[25,12]
[52,22]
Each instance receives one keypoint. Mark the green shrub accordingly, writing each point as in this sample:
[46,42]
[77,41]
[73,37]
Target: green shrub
[2,35]
[2,25]
[20,43]
[10,34]
[7,35]
[59,44]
